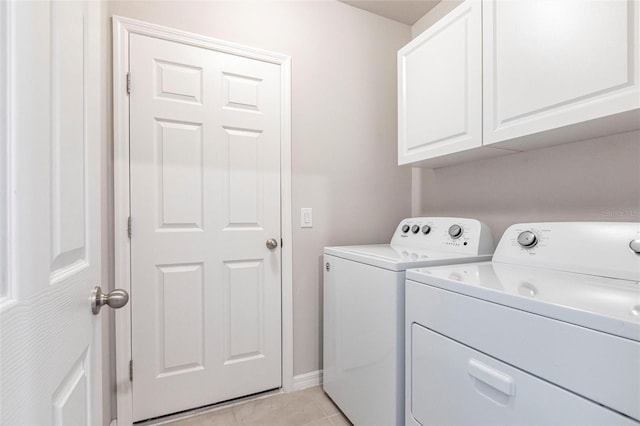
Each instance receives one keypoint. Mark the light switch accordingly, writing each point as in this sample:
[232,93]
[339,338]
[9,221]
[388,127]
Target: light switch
[306,217]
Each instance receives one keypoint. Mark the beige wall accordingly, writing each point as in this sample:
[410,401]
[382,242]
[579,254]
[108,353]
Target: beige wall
[596,180]
[344,130]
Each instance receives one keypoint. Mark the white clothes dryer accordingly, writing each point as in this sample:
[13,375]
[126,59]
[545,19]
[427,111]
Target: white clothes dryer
[363,364]
[548,333]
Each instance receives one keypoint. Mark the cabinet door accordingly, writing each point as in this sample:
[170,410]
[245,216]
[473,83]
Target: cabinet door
[439,87]
[550,64]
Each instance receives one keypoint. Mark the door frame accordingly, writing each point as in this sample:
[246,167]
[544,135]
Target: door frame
[7,291]
[122,29]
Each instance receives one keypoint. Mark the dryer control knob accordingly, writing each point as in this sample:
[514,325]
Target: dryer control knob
[635,245]
[426,229]
[405,228]
[527,239]
[455,231]
[415,229]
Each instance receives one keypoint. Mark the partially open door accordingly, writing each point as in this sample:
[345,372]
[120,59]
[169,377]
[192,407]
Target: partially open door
[49,339]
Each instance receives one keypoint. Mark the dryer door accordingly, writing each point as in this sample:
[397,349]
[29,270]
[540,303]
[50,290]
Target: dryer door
[453,384]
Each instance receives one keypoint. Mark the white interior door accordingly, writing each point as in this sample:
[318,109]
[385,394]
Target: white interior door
[205,198]
[50,341]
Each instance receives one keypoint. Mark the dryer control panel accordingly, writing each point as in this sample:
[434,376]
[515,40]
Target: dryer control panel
[596,248]
[449,234]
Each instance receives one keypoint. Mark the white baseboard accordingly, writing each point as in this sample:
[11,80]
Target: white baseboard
[300,382]
[307,380]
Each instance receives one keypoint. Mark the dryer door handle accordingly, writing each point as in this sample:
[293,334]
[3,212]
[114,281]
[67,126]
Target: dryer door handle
[492,377]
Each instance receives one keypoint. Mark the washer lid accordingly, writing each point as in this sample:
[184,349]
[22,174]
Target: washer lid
[399,258]
[605,304]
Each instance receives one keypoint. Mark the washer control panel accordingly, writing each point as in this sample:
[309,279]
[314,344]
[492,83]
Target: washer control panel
[608,249]
[461,235]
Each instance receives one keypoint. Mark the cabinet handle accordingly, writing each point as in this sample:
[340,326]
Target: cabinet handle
[492,377]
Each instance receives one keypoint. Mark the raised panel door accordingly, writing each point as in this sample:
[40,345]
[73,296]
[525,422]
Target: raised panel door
[205,197]
[50,342]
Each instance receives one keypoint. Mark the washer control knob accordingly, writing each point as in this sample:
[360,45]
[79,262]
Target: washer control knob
[635,245]
[415,229]
[426,229]
[527,239]
[405,229]
[455,231]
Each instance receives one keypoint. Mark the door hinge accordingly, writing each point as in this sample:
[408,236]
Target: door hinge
[128,83]
[129,227]
[131,370]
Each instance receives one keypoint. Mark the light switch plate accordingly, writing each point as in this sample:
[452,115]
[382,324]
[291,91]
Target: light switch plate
[306,217]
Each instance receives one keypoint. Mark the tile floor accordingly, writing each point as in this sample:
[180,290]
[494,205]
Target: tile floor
[308,407]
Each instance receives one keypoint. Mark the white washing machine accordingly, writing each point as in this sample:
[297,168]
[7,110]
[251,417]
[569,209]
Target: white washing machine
[548,333]
[364,311]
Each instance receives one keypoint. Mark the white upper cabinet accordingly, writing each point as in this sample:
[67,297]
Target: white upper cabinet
[497,76]
[549,64]
[440,88]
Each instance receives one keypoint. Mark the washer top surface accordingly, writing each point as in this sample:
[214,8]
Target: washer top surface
[581,273]
[399,258]
[425,241]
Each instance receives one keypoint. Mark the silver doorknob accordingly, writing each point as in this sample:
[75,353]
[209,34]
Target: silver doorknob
[272,243]
[115,299]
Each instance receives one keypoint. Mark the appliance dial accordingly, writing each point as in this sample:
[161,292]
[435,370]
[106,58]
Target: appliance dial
[527,239]
[635,245]
[415,229]
[455,231]
[405,228]
[426,229]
